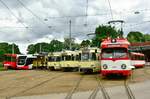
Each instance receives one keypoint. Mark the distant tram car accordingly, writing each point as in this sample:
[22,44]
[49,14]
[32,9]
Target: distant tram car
[137,59]
[54,60]
[70,60]
[10,61]
[40,61]
[115,57]
[89,60]
[25,61]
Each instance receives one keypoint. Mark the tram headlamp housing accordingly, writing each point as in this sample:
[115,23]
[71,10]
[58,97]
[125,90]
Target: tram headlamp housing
[105,66]
[123,66]
[113,41]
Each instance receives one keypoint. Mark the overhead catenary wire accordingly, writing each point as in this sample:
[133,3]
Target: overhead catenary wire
[12,13]
[26,27]
[33,13]
[110,9]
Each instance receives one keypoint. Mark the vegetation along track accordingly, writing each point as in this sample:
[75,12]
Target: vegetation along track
[41,83]
[69,95]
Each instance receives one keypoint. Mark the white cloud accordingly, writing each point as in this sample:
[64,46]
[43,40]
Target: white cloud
[38,30]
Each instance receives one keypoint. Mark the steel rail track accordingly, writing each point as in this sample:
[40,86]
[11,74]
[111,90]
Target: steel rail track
[128,90]
[101,87]
[103,90]
[69,95]
[37,85]
[21,78]
[95,91]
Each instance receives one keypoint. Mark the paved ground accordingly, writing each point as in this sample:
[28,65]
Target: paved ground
[37,84]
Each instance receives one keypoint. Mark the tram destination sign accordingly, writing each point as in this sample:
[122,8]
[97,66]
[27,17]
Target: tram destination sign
[113,45]
[117,45]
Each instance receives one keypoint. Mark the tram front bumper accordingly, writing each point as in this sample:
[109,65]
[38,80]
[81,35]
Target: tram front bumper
[117,72]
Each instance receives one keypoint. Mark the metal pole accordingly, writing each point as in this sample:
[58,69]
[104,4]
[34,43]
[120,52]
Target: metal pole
[110,10]
[13,48]
[40,47]
[70,47]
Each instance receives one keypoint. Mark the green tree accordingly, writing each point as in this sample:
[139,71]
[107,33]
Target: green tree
[67,43]
[147,37]
[85,43]
[56,45]
[135,36]
[103,32]
[53,46]
[6,48]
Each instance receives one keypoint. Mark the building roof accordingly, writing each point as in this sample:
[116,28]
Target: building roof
[141,44]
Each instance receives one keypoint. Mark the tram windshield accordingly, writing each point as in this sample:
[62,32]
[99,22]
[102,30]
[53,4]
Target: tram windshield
[85,56]
[29,61]
[88,56]
[21,60]
[114,53]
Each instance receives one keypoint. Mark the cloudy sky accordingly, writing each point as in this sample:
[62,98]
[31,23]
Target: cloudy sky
[30,21]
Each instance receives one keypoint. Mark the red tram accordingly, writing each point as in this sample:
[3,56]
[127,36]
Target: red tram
[10,61]
[137,59]
[117,59]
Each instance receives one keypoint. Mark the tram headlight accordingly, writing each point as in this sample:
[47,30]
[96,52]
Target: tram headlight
[123,66]
[105,66]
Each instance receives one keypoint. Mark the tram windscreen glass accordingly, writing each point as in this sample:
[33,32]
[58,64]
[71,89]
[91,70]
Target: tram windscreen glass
[21,60]
[29,61]
[58,59]
[114,53]
[85,56]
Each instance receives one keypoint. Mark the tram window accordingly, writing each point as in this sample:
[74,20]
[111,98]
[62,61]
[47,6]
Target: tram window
[50,59]
[58,59]
[107,53]
[120,53]
[85,56]
[72,57]
[68,57]
[132,57]
[114,53]
[93,56]
[137,57]
[29,61]
[79,56]
[141,57]
[21,60]
[63,58]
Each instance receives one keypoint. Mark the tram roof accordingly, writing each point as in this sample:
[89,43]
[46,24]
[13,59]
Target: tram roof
[117,42]
[134,53]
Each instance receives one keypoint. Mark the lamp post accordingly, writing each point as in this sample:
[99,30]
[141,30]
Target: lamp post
[70,47]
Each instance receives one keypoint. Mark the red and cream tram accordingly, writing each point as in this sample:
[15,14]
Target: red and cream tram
[115,57]
[137,59]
